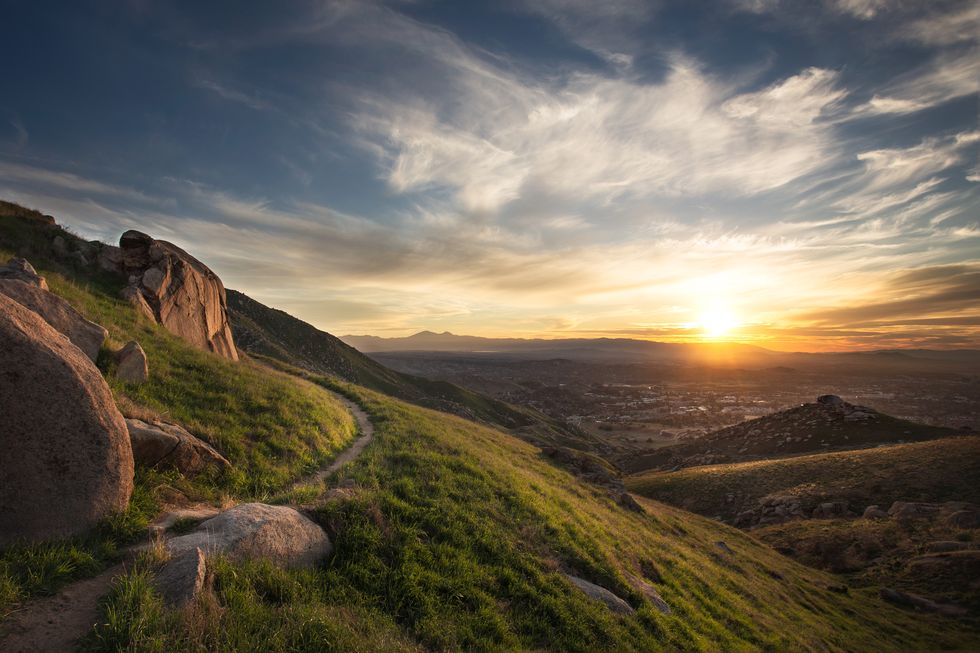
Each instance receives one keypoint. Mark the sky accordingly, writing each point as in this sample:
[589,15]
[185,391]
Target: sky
[798,175]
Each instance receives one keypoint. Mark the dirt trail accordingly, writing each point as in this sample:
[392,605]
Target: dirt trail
[55,623]
[366,429]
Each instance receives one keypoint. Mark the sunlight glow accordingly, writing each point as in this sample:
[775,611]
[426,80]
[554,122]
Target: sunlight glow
[717,321]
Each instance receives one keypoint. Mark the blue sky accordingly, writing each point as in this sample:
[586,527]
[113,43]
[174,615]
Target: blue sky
[804,172]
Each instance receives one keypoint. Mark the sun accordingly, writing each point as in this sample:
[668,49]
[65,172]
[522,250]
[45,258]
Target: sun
[717,322]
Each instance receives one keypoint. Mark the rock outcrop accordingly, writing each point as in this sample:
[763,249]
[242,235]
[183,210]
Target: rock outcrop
[21,270]
[164,445]
[84,334]
[182,293]
[66,460]
[258,531]
[131,363]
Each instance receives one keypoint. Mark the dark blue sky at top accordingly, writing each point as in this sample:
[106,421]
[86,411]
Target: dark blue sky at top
[106,85]
[374,110]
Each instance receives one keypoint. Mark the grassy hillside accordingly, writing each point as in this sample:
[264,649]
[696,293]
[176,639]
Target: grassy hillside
[809,428]
[269,332]
[455,540]
[273,427]
[871,553]
[937,470]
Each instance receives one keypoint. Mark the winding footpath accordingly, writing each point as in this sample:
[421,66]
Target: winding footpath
[56,623]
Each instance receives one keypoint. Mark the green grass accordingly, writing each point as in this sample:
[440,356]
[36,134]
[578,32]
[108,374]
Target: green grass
[936,470]
[39,569]
[456,540]
[273,427]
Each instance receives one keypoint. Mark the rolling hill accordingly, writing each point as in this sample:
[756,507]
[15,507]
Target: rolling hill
[724,355]
[826,425]
[812,508]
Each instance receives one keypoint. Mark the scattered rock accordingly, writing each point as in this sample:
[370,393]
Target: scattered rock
[839,589]
[181,579]
[920,603]
[874,512]
[256,530]
[87,336]
[66,460]
[184,295]
[830,510]
[913,510]
[831,400]
[165,445]
[629,502]
[131,365]
[724,547]
[21,270]
[594,591]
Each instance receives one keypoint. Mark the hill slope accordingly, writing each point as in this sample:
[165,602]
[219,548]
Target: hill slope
[827,425]
[946,469]
[457,538]
[269,332]
[932,554]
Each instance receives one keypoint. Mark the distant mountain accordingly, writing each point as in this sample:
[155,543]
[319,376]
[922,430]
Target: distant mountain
[829,424]
[269,332]
[720,354]
[570,348]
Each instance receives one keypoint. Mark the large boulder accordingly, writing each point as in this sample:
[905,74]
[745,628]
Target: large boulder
[66,459]
[184,295]
[164,445]
[87,336]
[258,531]
[21,270]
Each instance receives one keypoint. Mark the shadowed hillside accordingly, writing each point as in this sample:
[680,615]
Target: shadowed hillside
[828,424]
[265,331]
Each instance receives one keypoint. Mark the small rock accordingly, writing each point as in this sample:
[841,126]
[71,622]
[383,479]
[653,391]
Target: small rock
[594,591]
[256,530]
[830,510]
[181,579]
[651,594]
[912,510]
[724,547]
[162,445]
[21,270]
[131,363]
[874,512]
